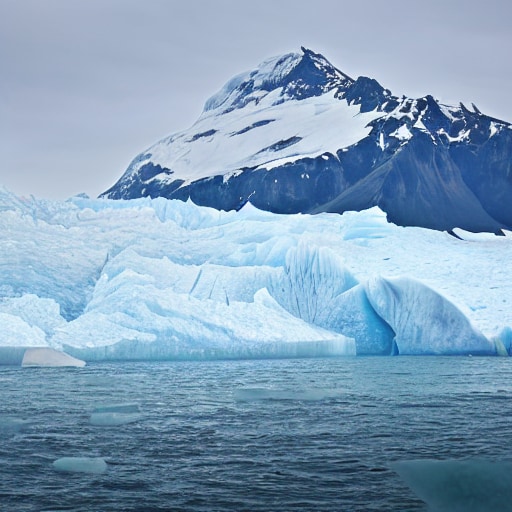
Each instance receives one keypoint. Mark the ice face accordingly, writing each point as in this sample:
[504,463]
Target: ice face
[315,286]
[11,355]
[15,332]
[311,282]
[423,320]
[354,316]
[504,340]
[38,313]
[160,279]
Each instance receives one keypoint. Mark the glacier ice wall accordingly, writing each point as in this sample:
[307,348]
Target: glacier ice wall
[354,316]
[312,280]
[424,322]
[160,279]
[315,285]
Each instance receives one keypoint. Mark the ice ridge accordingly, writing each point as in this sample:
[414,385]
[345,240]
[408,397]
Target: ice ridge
[165,279]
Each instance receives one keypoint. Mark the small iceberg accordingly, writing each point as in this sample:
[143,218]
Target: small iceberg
[91,465]
[44,356]
[115,415]
[11,426]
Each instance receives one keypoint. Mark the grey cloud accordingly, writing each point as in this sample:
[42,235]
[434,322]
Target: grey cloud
[88,84]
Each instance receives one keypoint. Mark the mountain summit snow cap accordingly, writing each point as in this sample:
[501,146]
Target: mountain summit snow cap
[298,76]
[298,135]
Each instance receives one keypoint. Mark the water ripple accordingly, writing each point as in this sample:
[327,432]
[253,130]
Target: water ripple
[302,435]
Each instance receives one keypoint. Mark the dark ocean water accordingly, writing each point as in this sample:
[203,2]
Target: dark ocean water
[277,435]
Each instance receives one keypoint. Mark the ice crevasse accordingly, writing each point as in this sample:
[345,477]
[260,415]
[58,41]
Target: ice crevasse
[163,279]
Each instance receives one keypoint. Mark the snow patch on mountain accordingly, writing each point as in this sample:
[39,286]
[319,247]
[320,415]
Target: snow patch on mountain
[226,144]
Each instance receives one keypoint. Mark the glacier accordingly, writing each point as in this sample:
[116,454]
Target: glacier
[155,279]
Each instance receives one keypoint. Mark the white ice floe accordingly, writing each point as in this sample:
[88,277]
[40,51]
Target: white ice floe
[91,465]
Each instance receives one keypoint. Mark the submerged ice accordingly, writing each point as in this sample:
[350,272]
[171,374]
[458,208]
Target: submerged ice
[161,279]
[469,485]
[114,415]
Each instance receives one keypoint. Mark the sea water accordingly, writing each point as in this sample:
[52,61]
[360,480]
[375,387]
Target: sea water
[269,435]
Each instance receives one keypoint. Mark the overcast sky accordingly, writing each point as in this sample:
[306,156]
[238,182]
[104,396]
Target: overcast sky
[85,85]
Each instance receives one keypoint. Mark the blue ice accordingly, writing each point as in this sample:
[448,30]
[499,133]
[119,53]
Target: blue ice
[92,465]
[114,415]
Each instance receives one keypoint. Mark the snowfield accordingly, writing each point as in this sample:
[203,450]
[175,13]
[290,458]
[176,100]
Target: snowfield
[164,279]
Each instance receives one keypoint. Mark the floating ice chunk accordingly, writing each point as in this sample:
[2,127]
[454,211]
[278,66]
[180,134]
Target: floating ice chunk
[459,485]
[424,322]
[92,465]
[113,419]
[44,356]
[114,415]
[36,356]
[11,426]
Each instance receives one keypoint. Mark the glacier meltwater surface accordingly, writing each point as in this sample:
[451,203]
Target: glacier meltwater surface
[164,279]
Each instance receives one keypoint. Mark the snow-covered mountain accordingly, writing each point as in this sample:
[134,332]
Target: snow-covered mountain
[166,279]
[298,135]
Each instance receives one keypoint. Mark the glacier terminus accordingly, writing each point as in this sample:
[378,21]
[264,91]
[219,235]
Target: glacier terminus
[150,279]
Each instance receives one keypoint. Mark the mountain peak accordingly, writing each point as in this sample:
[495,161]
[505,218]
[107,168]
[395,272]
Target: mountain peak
[296,75]
[321,63]
[297,135]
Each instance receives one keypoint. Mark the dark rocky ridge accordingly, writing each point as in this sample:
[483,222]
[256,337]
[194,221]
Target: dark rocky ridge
[451,167]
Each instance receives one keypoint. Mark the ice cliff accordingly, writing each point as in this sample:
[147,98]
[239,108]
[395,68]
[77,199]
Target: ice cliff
[166,279]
